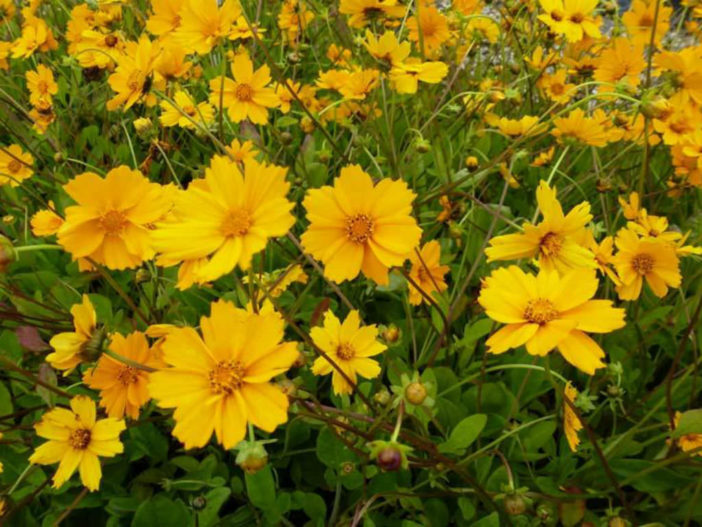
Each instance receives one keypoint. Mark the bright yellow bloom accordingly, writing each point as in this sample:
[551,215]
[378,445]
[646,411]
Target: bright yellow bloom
[69,347]
[485,28]
[404,77]
[387,49]
[358,84]
[555,241]
[647,258]
[227,217]
[571,18]
[203,24]
[166,17]
[75,440]
[98,49]
[41,85]
[526,125]
[576,126]
[123,388]
[622,61]
[132,78]
[349,346]
[571,423]
[46,222]
[427,273]
[241,151]
[36,36]
[688,442]
[362,12]
[631,209]
[112,220]
[186,113]
[432,25]
[15,165]
[549,311]
[220,381]
[556,88]
[247,96]
[171,61]
[293,19]
[358,226]
[639,21]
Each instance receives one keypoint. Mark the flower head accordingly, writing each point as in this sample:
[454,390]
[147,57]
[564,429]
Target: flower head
[15,165]
[426,272]
[70,348]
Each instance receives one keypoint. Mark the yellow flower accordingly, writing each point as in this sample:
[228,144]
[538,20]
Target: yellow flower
[98,49]
[46,222]
[631,209]
[556,88]
[363,12]
[166,17]
[170,62]
[123,388]
[387,49]
[432,25]
[358,226]
[427,273]
[576,126]
[554,241]
[293,19]
[549,311]
[650,258]
[242,151]
[277,282]
[186,113]
[203,24]
[640,17]
[75,440]
[405,76]
[229,216]
[621,61]
[15,165]
[41,85]
[688,442]
[112,219]
[349,345]
[220,381]
[571,423]
[36,35]
[132,78]
[571,18]
[69,347]
[485,28]
[526,125]
[248,95]
[359,84]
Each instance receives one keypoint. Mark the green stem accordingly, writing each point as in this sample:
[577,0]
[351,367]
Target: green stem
[37,247]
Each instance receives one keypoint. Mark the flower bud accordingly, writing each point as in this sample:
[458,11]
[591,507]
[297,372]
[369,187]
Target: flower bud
[252,456]
[391,334]
[7,253]
[389,459]
[415,393]
[199,503]
[514,504]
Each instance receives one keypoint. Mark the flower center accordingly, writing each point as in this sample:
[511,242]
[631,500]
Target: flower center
[557,89]
[556,16]
[345,351]
[226,377]
[359,228]
[14,166]
[113,222]
[236,223]
[110,41]
[577,18]
[243,92]
[551,244]
[540,311]
[79,438]
[42,87]
[128,375]
[645,21]
[642,263]
[189,110]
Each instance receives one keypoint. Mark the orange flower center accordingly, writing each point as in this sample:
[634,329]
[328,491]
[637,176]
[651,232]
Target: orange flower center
[236,223]
[14,166]
[42,86]
[110,41]
[577,18]
[190,110]
[551,244]
[557,89]
[345,351]
[359,228]
[556,16]
[79,438]
[540,311]
[244,92]
[128,375]
[226,377]
[642,263]
[645,21]
[113,222]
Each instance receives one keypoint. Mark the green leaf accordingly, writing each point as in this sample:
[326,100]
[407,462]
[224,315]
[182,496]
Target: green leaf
[464,434]
[315,507]
[260,488]
[492,520]
[215,499]
[690,423]
[331,451]
[160,510]
[5,400]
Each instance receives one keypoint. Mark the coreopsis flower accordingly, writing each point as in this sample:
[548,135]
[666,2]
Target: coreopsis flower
[405,76]
[204,24]
[358,226]
[428,28]
[76,439]
[571,18]
[555,241]
[46,222]
[5,49]
[483,28]
[363,12]
[132,78]
[41,85]
[70,348]
[350,346]
[526,125]
[241,151]
[549,311]
[219,381]
[166,17]
[652,259]
[7,11]
[688,442]
[186,113]
[427,272]
[171,63]
[293,19]
[123,388]
[225,218]
[36,36]
[621,61]
[556,88]
[248,95]
[571,423]
[544,158]
[338,56]
[15,165]
[113,216]
[359,84]
[631,207]
[387,49]
[639,20]
[576,126]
